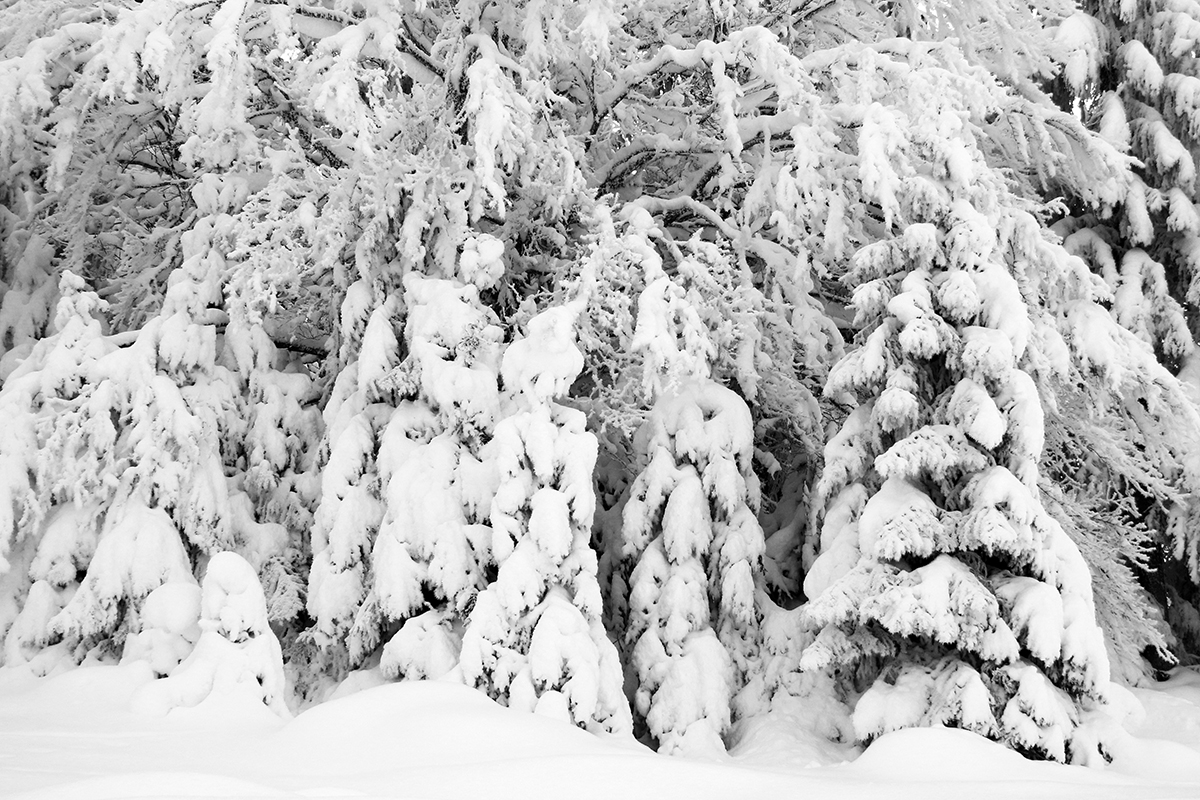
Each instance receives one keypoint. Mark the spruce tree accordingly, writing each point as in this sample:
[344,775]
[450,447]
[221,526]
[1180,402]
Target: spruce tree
[534,638]
[944,588]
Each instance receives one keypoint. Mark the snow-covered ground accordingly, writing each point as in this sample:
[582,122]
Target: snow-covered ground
[80,735]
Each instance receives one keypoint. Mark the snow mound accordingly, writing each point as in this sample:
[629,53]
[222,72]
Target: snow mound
[950,754]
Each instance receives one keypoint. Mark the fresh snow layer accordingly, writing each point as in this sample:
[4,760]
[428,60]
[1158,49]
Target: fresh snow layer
[76,735]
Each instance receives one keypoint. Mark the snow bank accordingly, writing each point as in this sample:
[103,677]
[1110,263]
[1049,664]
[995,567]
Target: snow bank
[75,736]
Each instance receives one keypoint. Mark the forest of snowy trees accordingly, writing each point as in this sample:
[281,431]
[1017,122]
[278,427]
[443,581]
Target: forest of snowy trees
[642,363]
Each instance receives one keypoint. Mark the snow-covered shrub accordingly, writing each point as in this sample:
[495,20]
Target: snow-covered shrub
[236,651]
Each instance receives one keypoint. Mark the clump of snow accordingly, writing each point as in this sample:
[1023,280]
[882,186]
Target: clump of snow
[170,627]
[543,364]
[1141,68]
[1083,40]
[482,261]
[426,646]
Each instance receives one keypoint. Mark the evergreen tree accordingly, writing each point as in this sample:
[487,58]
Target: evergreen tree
[535,638]
[434,549]
[942,578]
[691,530]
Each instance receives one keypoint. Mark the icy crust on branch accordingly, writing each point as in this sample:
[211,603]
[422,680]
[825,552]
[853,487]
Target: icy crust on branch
[695,546]
[534,638]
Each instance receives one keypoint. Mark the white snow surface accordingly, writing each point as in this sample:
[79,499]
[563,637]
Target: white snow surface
[76,735]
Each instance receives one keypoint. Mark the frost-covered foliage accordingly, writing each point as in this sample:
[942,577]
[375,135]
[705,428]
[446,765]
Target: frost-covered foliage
[507,343]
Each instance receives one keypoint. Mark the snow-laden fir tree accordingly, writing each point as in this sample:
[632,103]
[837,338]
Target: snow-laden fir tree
[428,558]
[275,448]
[166,398]
[690,528]
[691,542]
[1047,152]
[434,547]
[44,545]
[350,511]
[440,168]
[945,593]
[131,438]
[535,637]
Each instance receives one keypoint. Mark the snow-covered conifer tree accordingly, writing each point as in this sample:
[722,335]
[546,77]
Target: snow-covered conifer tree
[394,560]
[134,453]
[944,588]
[690,527]
[535,638]
[350,510]
[429,554]
[275,394]
[434,547]
[170,484]
[55,457]
[166,493]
